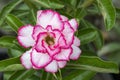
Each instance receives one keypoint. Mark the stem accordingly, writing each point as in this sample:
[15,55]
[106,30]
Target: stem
[58,77]
[60,74]
[55,76]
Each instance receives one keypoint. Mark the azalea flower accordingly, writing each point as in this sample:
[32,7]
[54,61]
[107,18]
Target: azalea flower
[51,41]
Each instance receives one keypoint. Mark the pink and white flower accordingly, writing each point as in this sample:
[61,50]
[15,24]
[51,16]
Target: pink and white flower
[52,41]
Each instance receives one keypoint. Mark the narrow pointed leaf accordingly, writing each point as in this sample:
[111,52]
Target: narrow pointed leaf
[14,22]
[42,3]
[30,4]
[99,38]
[6,41]
[108,12]
[10,42]
[109,48]
[22,75]
[87,35]
[11,64]
[56,4]
[7,9]
[80,75]
[94,64]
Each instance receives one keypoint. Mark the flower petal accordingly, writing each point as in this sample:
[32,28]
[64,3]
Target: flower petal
[62,41]
[39,13]
[25,59]
[52,67]
[56,35]
[40,60]
[50,51]
[76,53]
[76,41]
[37,29]
[74,24]
[63,55]
[49,17]
[61,64]
[39,45]
[68,34]
[25,36]
[64,18]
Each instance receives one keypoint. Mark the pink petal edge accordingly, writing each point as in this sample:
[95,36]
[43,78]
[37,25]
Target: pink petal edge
[25,36]
[26,59]
[76,41]
[52,67]
[40,60]
[50,17]
[74,24]
[63,55]
[68,34]
[76,53]
[61,64]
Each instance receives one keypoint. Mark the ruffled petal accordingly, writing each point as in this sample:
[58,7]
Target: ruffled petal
[37,29]
[63,55]
[68,34]
[76,53]
[25,36]
[50,51]
[61,64]
[52,67]
[40,60]
[49,17]
[26,59]
[64,18]
[38,14]
[57,35]
[39,45]
[62,41]
[76,41]
[74,24]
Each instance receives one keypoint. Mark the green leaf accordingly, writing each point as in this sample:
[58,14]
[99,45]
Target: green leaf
[7,9]
[14,52]
[46,76]
[10,42]
[80,13]
[99,39]
[80,75]
[115,56]
[11,64]
[22,75]
[108,12]
[56,4]
[13,67]
[87,3]
[33,77]
[14,22]
[109,48]
[33,16]
[94,64]
[42,3]
[7,74]
[20,13]
[73,3]
[87,35]
[7,41]
[30,4]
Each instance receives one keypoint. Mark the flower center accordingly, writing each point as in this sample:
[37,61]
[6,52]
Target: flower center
[49,40]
